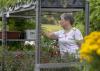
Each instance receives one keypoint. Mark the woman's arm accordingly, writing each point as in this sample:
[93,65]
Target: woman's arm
[50,35]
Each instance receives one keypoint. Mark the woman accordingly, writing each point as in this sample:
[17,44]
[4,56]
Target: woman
[70,38]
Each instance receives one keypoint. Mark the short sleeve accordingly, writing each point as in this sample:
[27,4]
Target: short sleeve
[78,35]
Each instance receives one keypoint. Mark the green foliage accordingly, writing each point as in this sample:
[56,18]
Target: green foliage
[7,3]
[12,46]
[94,16]
[95,63]
[79,21]
[21,25]
[81,27]
[19,46]
[0,25]
[11,23]
[19,61]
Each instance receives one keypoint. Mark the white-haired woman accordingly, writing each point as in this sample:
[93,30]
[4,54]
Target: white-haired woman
[70,38]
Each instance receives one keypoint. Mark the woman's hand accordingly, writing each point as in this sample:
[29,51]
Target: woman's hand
[79,42]
[49,34]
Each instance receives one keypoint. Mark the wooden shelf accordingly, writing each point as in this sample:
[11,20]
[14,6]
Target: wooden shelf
[19,40]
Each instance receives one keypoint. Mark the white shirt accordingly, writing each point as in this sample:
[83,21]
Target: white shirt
[67,41]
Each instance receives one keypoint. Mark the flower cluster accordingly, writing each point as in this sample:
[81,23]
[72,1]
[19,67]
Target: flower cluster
[90,47]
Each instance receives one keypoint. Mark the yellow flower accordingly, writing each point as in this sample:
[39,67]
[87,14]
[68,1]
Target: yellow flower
[89,41]
[86,37]
[85,50]
[98,41]
[84,45]
[98,51]
[90,46]
[94,47]
[98,33]
[94,33]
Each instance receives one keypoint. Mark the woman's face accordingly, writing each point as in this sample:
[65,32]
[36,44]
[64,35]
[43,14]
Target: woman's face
[64,23]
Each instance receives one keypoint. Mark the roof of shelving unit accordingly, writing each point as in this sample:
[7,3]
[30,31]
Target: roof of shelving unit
[20,9]
[49,6]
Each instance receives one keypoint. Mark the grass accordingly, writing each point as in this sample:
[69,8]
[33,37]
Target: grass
[51,28]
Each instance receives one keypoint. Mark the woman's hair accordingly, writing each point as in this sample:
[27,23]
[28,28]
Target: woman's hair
[68,16]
